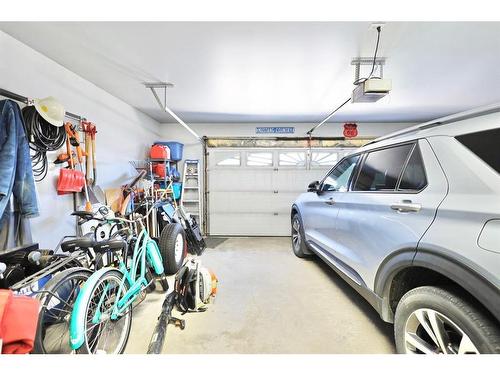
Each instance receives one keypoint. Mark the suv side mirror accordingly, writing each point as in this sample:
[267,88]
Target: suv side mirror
[313,187]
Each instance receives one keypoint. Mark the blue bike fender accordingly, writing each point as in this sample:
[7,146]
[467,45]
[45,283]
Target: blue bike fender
[77,322]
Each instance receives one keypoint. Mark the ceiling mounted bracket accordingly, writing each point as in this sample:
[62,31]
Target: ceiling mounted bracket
[154,86]
[359,61]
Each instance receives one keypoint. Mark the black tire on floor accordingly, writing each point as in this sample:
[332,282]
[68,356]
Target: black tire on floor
[151,280]
[163,282]
[483,330]
[299,246]
[173,258]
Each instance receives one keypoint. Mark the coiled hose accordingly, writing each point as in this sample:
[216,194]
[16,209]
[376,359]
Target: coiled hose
[42,137]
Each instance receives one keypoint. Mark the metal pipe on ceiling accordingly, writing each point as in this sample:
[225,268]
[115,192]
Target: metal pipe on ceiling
[163,106]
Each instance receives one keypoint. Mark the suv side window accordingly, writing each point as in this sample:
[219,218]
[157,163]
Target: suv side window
[485,145]
[338,179]
[414,175]
[382,168]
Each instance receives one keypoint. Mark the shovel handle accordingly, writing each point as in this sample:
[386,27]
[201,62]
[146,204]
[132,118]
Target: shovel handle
[88,206]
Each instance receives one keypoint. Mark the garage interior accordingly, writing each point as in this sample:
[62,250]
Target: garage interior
[241,98]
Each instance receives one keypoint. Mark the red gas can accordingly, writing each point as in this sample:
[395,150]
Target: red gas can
[159,152]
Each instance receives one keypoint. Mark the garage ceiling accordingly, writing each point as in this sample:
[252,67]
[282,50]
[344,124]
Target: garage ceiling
[277,72]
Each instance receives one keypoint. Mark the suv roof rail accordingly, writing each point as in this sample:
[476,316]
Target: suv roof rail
[471,113]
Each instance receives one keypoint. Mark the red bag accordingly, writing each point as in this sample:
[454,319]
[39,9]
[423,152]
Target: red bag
[18,321]
[159,152]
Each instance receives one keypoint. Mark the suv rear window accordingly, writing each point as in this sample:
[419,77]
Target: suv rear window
[414,175]
[484,144]
[382,168]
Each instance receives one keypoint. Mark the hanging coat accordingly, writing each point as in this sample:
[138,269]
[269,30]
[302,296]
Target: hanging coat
[16,175]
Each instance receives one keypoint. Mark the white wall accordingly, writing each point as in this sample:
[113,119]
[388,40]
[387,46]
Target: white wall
[124,133]
[193,148]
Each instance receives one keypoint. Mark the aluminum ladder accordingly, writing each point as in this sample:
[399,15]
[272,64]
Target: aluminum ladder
[191,192]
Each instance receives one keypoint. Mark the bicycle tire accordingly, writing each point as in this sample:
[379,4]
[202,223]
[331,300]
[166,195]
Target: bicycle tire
[93,333]
[52,310]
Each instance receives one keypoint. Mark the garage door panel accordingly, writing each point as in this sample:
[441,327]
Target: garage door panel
[232,179]
[251,202]
[256,201]
[296,180]
[249,225]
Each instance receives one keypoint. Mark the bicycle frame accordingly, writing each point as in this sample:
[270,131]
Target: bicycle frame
[145,251]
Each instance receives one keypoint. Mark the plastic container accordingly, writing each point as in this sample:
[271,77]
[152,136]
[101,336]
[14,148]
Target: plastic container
[177,187]
[160,170]
[176,149]
[159,152]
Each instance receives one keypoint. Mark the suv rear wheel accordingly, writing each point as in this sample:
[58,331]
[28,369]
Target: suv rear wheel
[298,238]
[432,320]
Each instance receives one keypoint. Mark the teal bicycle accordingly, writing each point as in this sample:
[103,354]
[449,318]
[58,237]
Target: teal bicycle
[102,314]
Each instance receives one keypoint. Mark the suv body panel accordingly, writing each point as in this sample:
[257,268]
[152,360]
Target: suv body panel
[367,229]
[367,243]
[473,200]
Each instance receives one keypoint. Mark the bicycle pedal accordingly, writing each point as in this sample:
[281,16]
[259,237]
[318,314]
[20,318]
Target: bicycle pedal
[180,323]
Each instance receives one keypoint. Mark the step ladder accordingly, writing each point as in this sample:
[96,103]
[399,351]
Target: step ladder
[191,191]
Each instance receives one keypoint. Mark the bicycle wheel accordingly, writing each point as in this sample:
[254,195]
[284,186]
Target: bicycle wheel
[56,300]
[102,334]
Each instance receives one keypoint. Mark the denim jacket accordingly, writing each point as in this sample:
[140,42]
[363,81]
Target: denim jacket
[16,175]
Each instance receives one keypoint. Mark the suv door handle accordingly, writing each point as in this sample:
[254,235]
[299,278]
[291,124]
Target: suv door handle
[330,201]
[406,206]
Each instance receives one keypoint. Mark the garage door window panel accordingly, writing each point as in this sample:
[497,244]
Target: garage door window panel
[259,159]
[324,159]
[338,179]
[292,159]
[228,159]
[382,168]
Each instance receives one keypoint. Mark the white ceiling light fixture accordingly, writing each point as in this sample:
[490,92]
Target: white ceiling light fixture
[153,86]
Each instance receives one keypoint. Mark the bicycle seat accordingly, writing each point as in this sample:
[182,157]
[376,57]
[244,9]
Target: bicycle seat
[84,215]
[77,244]
[113,244]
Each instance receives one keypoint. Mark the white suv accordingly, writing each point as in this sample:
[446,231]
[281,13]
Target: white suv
[412,222]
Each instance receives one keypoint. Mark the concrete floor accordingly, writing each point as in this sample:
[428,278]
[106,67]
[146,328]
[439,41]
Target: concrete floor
[269,301]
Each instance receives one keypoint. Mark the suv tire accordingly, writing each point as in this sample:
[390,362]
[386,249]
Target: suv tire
[299,246]
[426,314]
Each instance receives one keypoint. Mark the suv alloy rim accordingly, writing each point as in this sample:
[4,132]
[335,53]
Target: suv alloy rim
[179,247]
[430,332]
[296,234]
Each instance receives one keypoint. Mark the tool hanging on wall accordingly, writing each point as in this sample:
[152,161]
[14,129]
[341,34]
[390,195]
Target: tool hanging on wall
[74,139]
[90,131]
[70,180]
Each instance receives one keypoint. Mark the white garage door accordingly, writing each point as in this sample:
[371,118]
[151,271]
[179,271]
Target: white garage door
[251,190]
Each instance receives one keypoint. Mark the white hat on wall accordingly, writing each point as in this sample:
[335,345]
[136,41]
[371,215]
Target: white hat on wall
[51,110]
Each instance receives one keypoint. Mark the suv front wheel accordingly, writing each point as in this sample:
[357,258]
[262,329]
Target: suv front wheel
[298,238]
[432,320]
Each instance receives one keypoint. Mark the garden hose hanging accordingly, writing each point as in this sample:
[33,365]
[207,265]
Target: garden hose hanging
[42,137]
